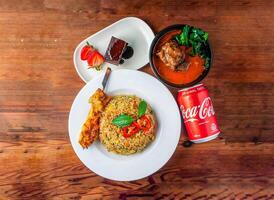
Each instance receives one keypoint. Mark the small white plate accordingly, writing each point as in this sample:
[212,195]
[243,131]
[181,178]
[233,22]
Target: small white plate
[133,30]
[154,156]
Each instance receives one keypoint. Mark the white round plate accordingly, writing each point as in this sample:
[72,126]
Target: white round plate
[130,29]
[153,157]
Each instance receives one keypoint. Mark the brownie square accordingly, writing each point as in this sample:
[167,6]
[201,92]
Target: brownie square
[115,50]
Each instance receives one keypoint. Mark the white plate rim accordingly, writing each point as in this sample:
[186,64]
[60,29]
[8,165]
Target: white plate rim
[171,151]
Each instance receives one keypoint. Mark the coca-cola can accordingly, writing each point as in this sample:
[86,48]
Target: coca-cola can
[198,114]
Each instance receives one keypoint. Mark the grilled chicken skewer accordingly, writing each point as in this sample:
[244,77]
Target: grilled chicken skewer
[90,129]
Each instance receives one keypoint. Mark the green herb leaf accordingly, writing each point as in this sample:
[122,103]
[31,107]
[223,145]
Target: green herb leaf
[177,38]
[197,39]
[182,38]
[185,34]
[205,36]
[197,49]
[207,60]
[142,108]
[122,120]
[200,35]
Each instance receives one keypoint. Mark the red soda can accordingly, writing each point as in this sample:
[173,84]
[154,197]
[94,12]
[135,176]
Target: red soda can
[199,116]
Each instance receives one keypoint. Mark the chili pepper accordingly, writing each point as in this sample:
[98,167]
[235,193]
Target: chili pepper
[130,130]
[137,125]
[144,123]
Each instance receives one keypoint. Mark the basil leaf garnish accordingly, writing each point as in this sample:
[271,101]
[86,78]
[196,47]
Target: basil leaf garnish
[142,108]
[122,120]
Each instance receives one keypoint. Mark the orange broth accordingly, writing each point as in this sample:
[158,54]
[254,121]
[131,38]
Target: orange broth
[195,69]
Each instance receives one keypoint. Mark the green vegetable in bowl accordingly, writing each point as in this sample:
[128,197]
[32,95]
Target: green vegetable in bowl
[182,38]
[197,39]
[198,35]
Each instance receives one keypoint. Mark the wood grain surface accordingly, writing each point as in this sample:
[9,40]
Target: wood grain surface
[38,83]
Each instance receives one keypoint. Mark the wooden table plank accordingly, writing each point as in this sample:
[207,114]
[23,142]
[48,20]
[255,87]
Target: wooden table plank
[38,84]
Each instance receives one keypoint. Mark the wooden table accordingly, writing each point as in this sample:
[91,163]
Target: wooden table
[38,83]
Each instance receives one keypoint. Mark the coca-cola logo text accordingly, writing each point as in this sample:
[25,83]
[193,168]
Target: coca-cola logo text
[197,112]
